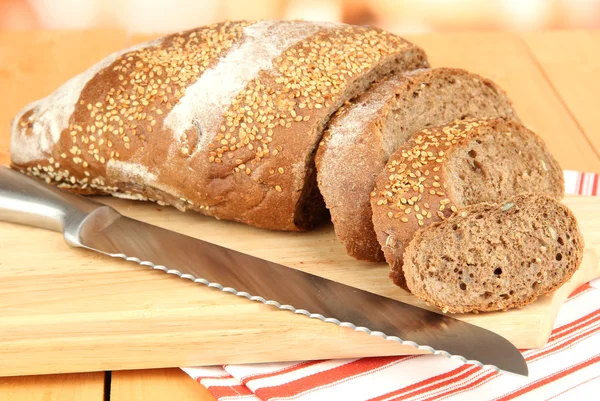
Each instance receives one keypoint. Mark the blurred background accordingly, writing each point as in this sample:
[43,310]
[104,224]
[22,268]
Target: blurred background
[401,16]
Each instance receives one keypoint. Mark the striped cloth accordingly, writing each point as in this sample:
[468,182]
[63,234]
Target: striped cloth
[567,367]
[577,183]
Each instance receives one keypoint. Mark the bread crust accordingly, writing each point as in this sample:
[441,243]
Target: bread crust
[223,120]
[413,190]
[355,147]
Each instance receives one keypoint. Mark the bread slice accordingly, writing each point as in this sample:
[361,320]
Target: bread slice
[222,119]
[490,257]
[363,135]
[445,168]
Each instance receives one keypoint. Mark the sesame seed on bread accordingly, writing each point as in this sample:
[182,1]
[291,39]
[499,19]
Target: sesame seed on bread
[222,119]
[444,168]
[490,257]
[366,131]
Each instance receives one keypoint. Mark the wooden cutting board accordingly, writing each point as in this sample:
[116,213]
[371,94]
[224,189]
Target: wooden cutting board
[72,310]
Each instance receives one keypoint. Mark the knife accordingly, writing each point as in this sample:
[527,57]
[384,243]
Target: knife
[92,225]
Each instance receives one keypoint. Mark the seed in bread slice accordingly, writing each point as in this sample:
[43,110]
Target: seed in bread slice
[369,129]
[490,257]
[444,168]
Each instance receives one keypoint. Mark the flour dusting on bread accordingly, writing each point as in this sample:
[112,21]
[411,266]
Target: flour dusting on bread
[128,172]
[130,196]
[49,116]
[358,116]
[207,99]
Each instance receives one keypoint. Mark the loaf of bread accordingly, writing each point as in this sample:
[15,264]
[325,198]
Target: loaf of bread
[223,119]
[490,257]
[364,133]
[445,168]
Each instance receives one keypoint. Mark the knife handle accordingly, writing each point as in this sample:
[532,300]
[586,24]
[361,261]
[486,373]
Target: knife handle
[25,200]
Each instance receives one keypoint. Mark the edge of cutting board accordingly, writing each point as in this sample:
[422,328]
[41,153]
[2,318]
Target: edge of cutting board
[71,310]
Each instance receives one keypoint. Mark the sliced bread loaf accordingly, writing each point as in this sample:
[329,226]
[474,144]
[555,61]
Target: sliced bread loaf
[363,135]
[445,168]
[223,119]
[490,257]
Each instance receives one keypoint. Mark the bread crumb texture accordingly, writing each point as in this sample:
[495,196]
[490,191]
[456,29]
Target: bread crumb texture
[491,257]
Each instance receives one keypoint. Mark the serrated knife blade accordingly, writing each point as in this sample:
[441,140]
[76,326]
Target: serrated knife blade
[97,227]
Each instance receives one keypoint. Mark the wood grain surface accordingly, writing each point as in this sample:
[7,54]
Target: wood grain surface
[74,310]
[553,91]
[574,73]
[155,385]
[69,387]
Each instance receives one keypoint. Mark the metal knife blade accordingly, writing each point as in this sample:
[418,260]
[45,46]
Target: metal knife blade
[100,228]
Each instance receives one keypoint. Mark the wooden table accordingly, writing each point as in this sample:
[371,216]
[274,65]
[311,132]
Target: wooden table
[552,77]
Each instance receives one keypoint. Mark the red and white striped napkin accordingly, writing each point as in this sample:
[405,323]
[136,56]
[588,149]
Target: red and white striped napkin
[567,367]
